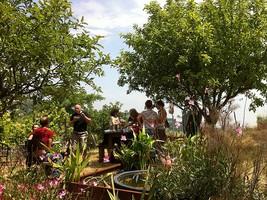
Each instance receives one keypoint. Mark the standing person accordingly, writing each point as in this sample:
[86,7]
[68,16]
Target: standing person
[161,119]
[191,118]
[148,118]
[79,120]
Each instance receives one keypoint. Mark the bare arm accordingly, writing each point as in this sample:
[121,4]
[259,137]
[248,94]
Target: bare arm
[73,121]
[50,143]
[30,137]
[139,117]
[87,119]
[162,117]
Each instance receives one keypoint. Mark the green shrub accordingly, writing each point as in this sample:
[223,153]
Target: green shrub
[138,154]
[213,167]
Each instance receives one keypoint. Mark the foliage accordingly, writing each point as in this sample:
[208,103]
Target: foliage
[139,153]
[74,164]
[16,126]
[45,52]
[100,118]
[211,51]
[214,167]
[262,122]
[113,195]
[32,184]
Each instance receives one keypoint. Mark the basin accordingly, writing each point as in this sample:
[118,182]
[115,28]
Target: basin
[132,180]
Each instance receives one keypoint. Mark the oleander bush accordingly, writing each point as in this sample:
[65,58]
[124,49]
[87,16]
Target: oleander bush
[220,165]
[31,184]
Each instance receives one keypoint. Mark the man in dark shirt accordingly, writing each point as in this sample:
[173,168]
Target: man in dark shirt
[79,120]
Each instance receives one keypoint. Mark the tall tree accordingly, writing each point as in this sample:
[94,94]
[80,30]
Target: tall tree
[211,51]
[44,48]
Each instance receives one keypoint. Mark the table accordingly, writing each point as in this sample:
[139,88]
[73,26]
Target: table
[109,135]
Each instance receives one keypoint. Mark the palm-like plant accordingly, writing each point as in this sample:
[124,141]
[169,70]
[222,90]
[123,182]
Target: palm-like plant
[74,164]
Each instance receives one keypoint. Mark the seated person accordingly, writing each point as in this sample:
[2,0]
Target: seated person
[114,121]
[41,141]
[28,146]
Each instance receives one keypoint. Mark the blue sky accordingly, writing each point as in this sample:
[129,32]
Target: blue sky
[109,18]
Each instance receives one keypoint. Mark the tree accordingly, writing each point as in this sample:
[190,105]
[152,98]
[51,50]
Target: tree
[44,50]
[211,51]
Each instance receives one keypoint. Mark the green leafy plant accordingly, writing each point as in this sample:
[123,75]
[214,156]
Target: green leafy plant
[138,154]
[74,164]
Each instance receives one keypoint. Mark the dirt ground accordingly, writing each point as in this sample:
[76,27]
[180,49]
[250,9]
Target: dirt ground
[94,165]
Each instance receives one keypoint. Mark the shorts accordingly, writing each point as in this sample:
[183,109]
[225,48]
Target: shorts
[79,138]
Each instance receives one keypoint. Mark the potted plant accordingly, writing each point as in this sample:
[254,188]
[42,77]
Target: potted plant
[139,153]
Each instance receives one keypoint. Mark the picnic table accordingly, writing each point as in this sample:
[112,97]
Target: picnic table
[121,135]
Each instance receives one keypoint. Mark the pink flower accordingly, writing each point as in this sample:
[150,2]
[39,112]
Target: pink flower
[152,124]
[178,77]
[62,193]
[53,182]
[177,124]
[238,131]
[42,157]
[92,183]
[22,187]
[106,159]
[191,102]
[2,187]
[40,186]
[206,90]
[123,138]
[56,156]
[82,190]
[167,162]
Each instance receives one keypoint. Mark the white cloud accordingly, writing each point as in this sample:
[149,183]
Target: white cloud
[103,16]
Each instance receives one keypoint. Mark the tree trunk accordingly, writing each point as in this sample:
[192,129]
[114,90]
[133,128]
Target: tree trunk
[213,116]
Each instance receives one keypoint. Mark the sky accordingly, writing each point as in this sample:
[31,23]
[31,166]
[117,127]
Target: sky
[109,18]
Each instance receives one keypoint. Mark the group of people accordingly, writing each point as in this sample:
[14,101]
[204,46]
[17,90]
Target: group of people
[41,138]
[154,122]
